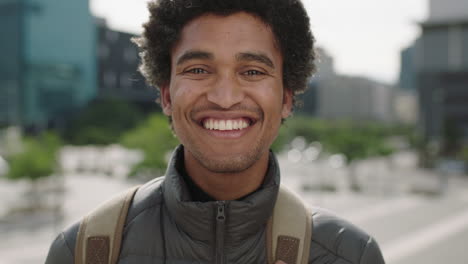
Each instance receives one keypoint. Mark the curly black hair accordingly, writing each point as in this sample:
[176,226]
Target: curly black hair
[287,18]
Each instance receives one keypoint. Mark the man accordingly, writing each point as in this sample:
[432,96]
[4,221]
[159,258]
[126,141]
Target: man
[227,71]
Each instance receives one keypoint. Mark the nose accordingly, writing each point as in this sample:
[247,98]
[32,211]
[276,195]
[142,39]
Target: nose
[226,92]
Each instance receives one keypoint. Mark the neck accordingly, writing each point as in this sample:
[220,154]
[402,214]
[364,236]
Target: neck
[226,186]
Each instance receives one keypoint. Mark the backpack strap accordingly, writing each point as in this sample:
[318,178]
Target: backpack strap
[288,235]
[100,233]
[289,230]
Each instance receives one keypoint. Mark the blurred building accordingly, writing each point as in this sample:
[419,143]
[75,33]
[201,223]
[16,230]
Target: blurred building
[407,80]
[442,10]
[441,71]
[406,107]
[325,65]
[334,96]
[355,98]
[117,67]
[325,70]
[406,96]
[48,64]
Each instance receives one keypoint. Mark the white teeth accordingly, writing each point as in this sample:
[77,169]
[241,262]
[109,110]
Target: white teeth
[229,125]
[223,125]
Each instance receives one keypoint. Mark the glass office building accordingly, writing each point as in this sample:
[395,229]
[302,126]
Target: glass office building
[48,65]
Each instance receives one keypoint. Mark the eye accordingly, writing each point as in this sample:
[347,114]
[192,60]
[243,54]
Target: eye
[197,71]
[253,72]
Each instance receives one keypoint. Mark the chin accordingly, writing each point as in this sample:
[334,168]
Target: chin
[235,163]
[228,166]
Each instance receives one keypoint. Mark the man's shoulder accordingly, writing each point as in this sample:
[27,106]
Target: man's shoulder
[147,197]
[335,238]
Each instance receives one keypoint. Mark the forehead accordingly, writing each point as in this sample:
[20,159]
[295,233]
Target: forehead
[227,35]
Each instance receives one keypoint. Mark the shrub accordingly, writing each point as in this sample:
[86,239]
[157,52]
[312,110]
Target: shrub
[37,160]
[102,123]
[155,138]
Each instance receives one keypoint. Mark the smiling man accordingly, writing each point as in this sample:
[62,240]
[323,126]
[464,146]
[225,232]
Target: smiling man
[226,100]
[227,71]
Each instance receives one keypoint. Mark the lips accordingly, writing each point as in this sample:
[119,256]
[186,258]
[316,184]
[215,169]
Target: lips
[221,122]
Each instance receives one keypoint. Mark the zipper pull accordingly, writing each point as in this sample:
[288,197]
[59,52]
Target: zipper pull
[220,217]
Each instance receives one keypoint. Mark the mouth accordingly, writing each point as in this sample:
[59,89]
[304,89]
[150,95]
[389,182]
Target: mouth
[210,123]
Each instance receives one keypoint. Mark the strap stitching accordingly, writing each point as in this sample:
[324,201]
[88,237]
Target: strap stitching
[99,250]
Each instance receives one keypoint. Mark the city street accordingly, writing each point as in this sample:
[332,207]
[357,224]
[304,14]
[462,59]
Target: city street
[411,228]
[372,97]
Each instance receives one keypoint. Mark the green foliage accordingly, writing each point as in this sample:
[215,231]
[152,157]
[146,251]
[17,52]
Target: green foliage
[464,154]
[37,160]
[102,123]
[155,138]
[281,140]
[356,141]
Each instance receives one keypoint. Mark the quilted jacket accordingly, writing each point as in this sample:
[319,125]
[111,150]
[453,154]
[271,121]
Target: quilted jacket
[165,226]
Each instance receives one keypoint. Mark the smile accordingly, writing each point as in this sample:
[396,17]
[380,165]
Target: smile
[225,124]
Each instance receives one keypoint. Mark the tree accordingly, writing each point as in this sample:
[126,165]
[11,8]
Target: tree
[102,123]
[155,138]
[37,160]
[353,140]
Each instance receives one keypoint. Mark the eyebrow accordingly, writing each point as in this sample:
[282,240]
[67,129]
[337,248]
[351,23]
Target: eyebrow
[194,54]
[243,56]
[258,57]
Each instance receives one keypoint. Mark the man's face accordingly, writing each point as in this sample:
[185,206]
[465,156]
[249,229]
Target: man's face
[226,94]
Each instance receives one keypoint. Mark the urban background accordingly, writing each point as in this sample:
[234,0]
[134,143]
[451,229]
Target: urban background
[78,123]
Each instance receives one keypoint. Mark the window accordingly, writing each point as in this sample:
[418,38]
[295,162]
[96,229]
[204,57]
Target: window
[130,55]
[125,80]
[112,36]
[110,79]
[103,51]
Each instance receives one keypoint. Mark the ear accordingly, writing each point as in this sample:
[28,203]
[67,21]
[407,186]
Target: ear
[287,103]
[165,99]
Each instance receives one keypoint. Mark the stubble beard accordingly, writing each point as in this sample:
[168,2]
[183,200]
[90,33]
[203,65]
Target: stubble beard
[229,164]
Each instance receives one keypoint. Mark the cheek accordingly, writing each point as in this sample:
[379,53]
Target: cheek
[183,95]
[270,98]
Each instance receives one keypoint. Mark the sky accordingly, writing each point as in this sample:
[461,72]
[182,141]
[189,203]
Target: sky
[364,37]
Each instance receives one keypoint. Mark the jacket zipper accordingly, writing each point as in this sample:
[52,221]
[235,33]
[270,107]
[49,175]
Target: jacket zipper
[220,221]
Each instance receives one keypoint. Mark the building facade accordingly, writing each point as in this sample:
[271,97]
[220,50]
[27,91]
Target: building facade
[48,65]
[118,61]
[309,100]
[407,80]
[355,98]
[338,97]
[442,74]
[11,21]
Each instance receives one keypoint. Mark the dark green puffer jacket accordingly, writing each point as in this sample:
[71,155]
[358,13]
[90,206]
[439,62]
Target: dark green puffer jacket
[164,226]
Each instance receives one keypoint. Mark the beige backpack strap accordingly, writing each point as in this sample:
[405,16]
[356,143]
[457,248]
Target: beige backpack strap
[100,233]
[289,230]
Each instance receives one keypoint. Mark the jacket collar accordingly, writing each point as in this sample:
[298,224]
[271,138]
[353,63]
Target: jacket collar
[244,218]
